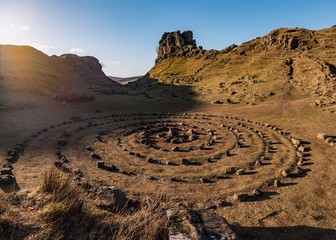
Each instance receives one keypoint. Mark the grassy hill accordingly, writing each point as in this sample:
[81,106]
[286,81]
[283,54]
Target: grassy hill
[26,74]
[293,63]
[125,80]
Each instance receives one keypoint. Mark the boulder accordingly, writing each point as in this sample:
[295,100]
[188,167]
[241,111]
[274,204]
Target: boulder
[301,149]
[61,142]
[295,141]
[240,197]
[185,161]
[299,154]
[175,149]
[58,163]
[66,134]
[172,132]
[217,102]
[7,165]
[205,180]
[201,224]
[6,179]
[256,192]
[322,136]
[300,162]
[6,171]
[230,170]
[100,164]
[258,163]
[240,172]
[111,198]
[298,171]
[285,173]
[277,183]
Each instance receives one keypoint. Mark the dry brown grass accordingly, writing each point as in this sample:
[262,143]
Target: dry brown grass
[70,214]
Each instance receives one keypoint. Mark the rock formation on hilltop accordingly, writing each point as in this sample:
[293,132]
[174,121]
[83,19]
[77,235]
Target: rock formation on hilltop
[172,42]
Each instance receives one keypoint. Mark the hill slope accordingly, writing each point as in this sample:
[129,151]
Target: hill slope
[126,80]
[292,62]
[31,73]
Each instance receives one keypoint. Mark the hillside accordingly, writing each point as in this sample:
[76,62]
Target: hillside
[29,73]
[126,80]
[291,63]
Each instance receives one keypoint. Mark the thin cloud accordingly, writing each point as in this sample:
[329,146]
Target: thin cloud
[19,28]
[23,28]
[77,50]
[115,62]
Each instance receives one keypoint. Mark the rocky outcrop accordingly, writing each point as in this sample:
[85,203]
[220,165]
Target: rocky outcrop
[198,225]
[172,42]
[291,39]
[83,65]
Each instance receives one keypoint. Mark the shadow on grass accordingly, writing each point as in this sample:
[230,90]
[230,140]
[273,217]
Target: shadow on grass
[279,233]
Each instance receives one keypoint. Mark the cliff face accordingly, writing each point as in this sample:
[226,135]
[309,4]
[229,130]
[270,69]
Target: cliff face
[24,69]
[173,42]
[297,62]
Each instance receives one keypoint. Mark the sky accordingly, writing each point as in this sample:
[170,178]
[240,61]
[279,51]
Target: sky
[123,34]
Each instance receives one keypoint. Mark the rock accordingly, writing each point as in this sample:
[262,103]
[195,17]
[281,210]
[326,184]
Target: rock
[152,178]
[200,146]
[100,164]
[285,173]
[61,142]
[240,171]
[299,154]
[169,163]
[322,136]
[185,161]
[172,132]
[95,156]
[210,132]
[301,149]
[6,171]
[175,149]
[172,43]
[240,197]
[192,138]
[298,171]
[150,160]
[217,102]
[191,131]
[66,134]
[77,172]
[7,165]
[277,183]
[6,179]
[58,163]
[258,163]
[201,224]
[295,141]
[256,192]
[230,170]
[111,198]
[144,135]
[205,180]
[329,140]
[288,40]
[300,162]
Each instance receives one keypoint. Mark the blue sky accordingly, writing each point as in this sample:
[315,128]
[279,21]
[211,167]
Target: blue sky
[123,34]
